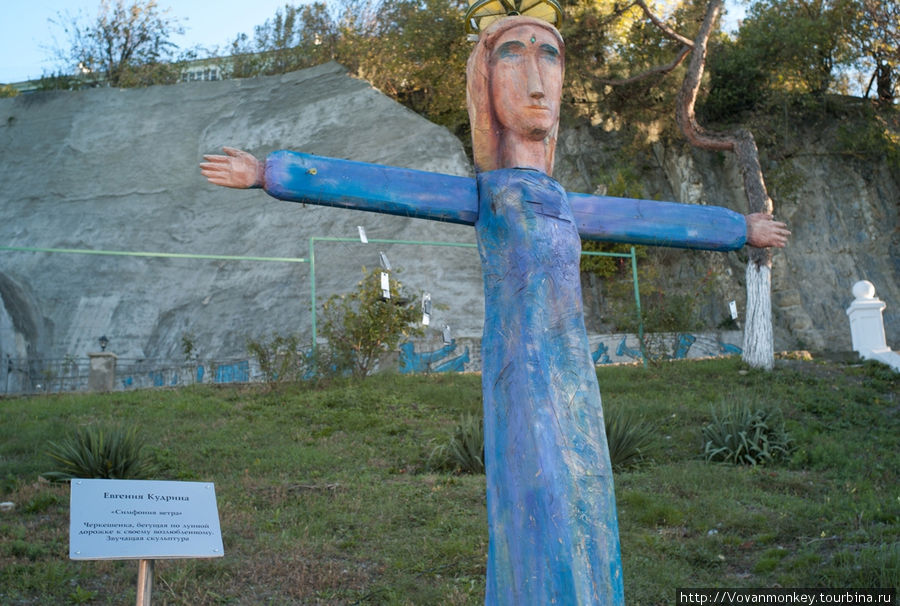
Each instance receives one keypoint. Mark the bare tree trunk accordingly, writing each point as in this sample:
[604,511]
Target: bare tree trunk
[758,340]
[759,344]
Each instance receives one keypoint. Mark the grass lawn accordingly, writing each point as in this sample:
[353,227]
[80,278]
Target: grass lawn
[324,496]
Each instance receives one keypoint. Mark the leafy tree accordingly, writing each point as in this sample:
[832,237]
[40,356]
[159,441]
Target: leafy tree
[295,38]
[738,81]
[801,47]
[801,42]
[362,325]
[758,344]
[417,54]
[412,50]
[126,45]
[617,60]
[875,34]
[8,90]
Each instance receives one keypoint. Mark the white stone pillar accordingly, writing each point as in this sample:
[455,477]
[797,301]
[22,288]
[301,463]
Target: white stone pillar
[867,326]
[102,376]
[866,321]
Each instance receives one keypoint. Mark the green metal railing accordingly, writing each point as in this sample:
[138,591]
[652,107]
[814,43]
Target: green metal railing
[161,255]
[637,291]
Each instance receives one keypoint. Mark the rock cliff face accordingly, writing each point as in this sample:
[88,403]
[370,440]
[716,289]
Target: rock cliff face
[116,170]
[844,215]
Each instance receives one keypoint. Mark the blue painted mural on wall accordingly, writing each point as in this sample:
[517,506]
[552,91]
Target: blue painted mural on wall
[158,378]
[236,372]
[624,350]
[239,372]
[453,357]
[684,346]
[676,346]
[601,354]
[412,361]
[729,350]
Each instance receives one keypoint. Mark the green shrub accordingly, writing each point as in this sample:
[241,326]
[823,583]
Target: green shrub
[628,435]
[464,451]
[94,452]
[362,325]
[278,358]
[745,436]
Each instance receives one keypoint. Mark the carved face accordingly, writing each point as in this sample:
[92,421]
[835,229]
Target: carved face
[526,72]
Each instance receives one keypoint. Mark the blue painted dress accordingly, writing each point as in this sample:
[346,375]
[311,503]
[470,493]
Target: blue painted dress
[551,505]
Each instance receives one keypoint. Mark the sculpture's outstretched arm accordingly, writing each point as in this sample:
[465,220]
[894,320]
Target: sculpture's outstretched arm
[655,223]
[671,224]
[299,177]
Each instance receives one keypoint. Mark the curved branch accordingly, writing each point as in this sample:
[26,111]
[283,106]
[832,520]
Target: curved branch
[658,70]
[740,142]
[665,29]
[687,96]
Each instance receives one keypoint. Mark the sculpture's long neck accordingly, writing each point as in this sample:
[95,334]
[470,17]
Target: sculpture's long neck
[520,152]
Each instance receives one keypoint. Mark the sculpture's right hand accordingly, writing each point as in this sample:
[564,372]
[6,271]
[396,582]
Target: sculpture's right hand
[237,169]
[764,231]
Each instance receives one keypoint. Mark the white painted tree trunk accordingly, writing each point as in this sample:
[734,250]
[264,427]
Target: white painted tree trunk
[759,342]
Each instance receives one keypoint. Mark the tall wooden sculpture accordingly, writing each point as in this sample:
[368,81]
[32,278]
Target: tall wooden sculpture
[551,506]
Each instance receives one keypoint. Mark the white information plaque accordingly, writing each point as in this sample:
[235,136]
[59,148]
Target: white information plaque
[143,519]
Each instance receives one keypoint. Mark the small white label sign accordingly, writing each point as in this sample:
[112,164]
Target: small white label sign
[385,286]
[143,519]
[732,307]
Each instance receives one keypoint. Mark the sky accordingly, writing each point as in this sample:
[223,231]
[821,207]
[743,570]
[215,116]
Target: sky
[27,37]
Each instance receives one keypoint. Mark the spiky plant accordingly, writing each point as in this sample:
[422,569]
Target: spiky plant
[96,452]
[628,436]
[742,435]
[464,451]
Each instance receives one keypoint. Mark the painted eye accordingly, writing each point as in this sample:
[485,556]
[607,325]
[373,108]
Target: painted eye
[549,52]
[510,49]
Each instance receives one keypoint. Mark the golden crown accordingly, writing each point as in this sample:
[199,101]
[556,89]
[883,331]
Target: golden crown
[481,13]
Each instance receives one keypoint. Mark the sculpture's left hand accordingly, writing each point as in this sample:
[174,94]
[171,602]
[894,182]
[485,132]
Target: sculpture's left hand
[236,169]
[763,231]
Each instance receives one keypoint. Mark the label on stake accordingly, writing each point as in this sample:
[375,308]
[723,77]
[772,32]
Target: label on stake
[426,309]
[385,285]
